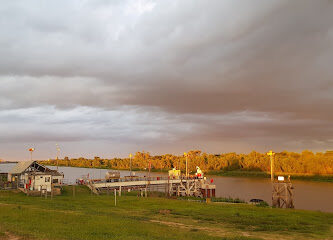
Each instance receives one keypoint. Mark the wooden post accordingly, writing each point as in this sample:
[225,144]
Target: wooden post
[51,191]
[168,187]
[187,188]
[115,197]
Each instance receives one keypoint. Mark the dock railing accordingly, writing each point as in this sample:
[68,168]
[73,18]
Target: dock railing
[131,179]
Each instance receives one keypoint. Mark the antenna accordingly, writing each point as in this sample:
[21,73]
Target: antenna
[58,153]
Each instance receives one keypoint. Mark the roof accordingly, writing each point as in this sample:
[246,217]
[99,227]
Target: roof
[52,173]
[20,167]
[34,165]
[5,167]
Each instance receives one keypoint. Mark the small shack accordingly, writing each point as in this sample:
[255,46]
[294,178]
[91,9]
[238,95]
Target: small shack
[32,177]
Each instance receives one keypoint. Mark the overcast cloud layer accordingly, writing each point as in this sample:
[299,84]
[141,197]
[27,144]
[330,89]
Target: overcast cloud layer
[111,77]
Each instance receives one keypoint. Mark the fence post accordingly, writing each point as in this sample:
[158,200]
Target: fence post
[51,191]
[115,197]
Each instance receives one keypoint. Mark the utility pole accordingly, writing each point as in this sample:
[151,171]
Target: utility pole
[185,154]
[130,156]
[271,155]
[149,167]
[58,153]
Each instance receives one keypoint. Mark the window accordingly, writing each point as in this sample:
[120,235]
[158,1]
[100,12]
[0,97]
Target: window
[55,180]
[47,179]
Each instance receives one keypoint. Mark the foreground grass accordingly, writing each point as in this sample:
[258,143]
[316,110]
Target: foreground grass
[92,217]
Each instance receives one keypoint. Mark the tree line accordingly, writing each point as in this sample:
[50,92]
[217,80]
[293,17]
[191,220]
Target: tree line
[306,162]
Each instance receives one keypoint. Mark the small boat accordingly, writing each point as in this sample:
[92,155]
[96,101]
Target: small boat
[112,175]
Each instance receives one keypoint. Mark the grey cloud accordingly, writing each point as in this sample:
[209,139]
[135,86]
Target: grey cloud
[195,63]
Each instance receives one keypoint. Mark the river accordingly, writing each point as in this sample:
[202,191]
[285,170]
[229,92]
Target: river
[308,195]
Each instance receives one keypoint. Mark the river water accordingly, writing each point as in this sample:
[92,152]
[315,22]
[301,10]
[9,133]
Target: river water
[308,195]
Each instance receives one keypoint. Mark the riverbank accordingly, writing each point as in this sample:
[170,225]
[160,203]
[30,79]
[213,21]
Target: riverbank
[87,216]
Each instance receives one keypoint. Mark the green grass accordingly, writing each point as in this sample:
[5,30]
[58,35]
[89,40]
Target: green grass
[89,217]
[229,200]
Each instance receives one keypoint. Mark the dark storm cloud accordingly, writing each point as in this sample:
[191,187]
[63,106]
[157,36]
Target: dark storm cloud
[265,64]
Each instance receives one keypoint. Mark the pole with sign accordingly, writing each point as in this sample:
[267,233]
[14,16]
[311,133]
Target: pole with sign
[31,151]
[271,155]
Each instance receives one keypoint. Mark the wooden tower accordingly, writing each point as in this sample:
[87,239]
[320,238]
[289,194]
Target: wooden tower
[283,194]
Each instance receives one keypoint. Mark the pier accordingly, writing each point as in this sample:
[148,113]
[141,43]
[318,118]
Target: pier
[182,186]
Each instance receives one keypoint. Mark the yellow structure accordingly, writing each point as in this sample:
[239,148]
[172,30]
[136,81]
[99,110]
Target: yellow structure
[174,173]
[271,155]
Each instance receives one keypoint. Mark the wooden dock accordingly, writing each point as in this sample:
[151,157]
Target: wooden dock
[172,186]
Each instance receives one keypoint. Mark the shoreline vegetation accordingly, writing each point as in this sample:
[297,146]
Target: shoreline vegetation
[88,217]
[307,165]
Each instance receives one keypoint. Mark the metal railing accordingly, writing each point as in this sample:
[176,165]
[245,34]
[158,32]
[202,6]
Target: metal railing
[135,179]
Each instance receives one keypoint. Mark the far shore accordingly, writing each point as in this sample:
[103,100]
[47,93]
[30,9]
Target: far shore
[225,173]
[235,173]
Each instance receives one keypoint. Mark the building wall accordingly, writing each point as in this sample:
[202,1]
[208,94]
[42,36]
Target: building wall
[57,179]
[42,182]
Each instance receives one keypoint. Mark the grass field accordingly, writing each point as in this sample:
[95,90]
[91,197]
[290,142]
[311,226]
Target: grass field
[87,216]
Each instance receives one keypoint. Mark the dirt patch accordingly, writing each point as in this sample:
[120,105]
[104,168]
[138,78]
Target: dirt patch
[220,232]
[7,204]
[40,209]
[9,236]
[211,231]
[164,211]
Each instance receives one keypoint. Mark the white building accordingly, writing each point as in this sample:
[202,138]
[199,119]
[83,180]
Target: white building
[32,176]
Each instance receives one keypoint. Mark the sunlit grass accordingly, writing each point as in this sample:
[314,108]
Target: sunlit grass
[87,216]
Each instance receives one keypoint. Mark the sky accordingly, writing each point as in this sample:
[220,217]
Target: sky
[107,78]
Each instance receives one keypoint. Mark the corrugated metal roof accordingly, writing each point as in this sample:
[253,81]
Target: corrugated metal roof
[5,167]
[20,167]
